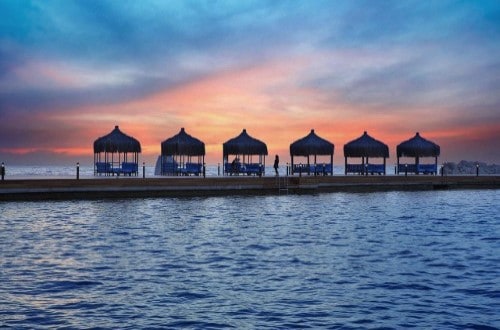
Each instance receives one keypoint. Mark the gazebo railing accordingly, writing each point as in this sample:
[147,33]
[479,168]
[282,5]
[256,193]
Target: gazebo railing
[178,165]
[418,168]
[312,169]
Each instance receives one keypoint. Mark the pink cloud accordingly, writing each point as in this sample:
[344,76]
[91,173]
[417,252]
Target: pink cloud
[268,100]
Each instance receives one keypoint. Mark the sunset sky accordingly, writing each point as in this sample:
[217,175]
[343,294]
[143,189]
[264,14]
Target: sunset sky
[72,70]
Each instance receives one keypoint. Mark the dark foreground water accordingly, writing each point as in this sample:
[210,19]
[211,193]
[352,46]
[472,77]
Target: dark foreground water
[427,260]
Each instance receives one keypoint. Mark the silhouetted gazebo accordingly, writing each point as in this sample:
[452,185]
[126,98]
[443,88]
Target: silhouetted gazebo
[246,147]
[312,145]
[418,147]
[182,154]
[365,147]
[116,153]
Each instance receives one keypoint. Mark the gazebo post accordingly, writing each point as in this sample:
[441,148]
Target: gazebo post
[137,162]
[204,168]
[315,164]
[416,165]
[331,164]
[345,168]
[397,171]
[384,167]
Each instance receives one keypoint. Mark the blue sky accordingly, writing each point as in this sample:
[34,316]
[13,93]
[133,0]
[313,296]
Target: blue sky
[72,70]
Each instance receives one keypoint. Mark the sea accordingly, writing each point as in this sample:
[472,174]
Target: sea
[379,260]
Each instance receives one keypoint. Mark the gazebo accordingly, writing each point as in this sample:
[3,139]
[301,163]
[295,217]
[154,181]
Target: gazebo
[312,145]
[418,147]
[246,147]
[365,147]
[182,154]
[116,153]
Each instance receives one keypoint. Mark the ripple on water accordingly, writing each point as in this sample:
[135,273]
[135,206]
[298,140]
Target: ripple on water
[345,261]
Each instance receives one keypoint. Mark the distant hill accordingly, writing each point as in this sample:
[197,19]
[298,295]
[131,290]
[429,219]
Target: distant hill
[469,167]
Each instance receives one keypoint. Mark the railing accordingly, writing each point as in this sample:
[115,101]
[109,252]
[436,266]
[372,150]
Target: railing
[355,168]
[365,169]
[108,168]
[417,169]
[315,169]
[248,169]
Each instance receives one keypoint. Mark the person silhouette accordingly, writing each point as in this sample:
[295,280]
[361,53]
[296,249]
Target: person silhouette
[276,164]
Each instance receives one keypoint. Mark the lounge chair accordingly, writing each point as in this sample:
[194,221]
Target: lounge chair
[103,168]
[427,168]
[170,168]
[191,168]
[129,168]
[231,168]
[375,169]
[254,168]
[304,168]
[355,168]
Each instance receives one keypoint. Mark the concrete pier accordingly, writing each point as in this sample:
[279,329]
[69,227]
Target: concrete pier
[96,188]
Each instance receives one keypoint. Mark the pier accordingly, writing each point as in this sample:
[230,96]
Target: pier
[96,188]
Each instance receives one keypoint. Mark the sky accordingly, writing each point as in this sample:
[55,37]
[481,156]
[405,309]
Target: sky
[72,70]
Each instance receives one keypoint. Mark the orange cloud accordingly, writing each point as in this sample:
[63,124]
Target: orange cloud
[268,101]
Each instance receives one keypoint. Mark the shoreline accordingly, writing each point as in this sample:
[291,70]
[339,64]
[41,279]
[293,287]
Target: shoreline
[138,187]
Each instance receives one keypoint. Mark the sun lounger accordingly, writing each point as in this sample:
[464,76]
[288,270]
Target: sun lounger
[427,168]
[129,168]
[416,169]
[304,168]
[191,168]
[355,168]
[103,168]
[375,169]
[322,169]
[253,168]
[231,169]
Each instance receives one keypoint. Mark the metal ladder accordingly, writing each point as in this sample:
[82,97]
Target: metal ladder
[282,183]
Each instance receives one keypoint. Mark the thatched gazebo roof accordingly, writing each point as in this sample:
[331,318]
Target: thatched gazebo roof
[244,144]
[116,141]
[417,146]
[366,146]
[182,144]
[311,145]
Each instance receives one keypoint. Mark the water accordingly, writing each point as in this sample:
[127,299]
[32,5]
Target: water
[425,260]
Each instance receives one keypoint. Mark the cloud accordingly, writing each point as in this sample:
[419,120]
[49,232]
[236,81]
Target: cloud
[285,67]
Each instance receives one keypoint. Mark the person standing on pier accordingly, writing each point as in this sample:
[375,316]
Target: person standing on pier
[276,164]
